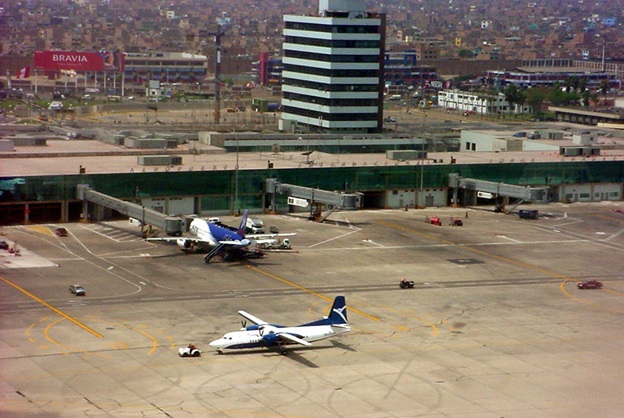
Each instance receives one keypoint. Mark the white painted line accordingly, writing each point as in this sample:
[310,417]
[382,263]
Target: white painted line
[617,234]
[335,238]
[506,237]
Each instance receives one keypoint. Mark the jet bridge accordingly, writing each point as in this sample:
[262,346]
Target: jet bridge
[491,189]
[171,224]
[315,198]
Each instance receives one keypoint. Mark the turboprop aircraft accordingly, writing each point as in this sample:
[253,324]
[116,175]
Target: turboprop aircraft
[268,335]
[217,238]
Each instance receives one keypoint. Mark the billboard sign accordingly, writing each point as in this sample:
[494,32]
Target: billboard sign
[79,61]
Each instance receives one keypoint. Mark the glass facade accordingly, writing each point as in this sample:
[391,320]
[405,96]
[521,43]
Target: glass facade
[213,186]
[44,199]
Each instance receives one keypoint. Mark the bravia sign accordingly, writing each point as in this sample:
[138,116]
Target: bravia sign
[79,61]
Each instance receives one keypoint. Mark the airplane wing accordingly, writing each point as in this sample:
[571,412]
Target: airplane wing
[252,318]
[174,239]
[256,237]
[232,242]
[293,338]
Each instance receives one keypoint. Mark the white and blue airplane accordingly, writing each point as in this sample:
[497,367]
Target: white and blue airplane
[217,238]
[265,335]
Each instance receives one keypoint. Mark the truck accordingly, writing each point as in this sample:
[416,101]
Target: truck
[254,226]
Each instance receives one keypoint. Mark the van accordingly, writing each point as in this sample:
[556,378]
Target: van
[395,97]
[254,226]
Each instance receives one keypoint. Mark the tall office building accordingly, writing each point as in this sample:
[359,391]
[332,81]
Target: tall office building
[333,76]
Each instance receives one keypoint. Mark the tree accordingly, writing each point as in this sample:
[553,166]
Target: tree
[466,53]
[514,96]
[535,98]
[604,88]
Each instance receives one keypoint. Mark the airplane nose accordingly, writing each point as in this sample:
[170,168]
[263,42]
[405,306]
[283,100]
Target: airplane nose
[214,343]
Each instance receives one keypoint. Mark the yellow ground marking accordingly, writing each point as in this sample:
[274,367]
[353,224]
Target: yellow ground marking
[52,308]
[117,345]
[305,289]
[46,333]
[41,229]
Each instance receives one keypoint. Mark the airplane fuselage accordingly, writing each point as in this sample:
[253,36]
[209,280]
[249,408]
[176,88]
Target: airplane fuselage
[255,338]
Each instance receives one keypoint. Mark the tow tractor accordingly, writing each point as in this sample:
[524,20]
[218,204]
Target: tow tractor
[406,284]
[189,351]
[434,220]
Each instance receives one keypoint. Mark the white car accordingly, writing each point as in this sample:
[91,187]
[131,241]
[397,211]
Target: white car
[189,351]
[55,106]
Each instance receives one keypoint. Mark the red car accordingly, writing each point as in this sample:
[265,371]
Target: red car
[590,284]
[61,232]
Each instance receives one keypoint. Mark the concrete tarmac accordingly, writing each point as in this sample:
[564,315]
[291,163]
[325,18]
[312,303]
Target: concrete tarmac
[495,326]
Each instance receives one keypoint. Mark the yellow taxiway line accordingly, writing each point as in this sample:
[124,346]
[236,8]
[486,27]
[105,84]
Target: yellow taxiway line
[52,308]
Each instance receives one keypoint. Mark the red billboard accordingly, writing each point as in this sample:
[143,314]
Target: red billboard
[79,61]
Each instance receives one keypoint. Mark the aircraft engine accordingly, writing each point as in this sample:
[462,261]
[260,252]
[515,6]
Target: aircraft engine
[185,244]
[267,333]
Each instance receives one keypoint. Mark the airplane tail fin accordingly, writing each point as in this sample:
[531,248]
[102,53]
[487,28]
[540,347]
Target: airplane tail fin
[337,314]
[243,224]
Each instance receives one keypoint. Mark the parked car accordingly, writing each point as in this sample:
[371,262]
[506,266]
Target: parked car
[390,119]
[77,290]
[590,284]
[55,105]
[4,245]
[61,232]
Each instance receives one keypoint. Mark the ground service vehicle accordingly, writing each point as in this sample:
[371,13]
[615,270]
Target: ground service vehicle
[590,284]
[77,290]
[254,226]
[434,220]
[189,351]
[528,214]
[406,284]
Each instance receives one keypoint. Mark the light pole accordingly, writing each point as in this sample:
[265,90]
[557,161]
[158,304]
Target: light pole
[422,176]
[236,208]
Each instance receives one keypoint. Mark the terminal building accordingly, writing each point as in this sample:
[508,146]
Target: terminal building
[332,78]
[560,166]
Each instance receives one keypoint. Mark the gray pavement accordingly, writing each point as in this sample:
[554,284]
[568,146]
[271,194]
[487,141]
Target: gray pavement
[494,327]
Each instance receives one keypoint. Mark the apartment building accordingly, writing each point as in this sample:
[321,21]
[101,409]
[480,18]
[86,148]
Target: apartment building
[478,103]
[167,67]
[333,74]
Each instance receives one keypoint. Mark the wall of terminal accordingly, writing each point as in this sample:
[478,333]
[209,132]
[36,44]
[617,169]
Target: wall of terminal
[40,199]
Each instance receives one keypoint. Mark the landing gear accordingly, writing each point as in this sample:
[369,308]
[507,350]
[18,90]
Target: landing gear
[212,253]
[282,349]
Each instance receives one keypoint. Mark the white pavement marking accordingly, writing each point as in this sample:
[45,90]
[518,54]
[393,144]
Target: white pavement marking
[334,238]
[617,234]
